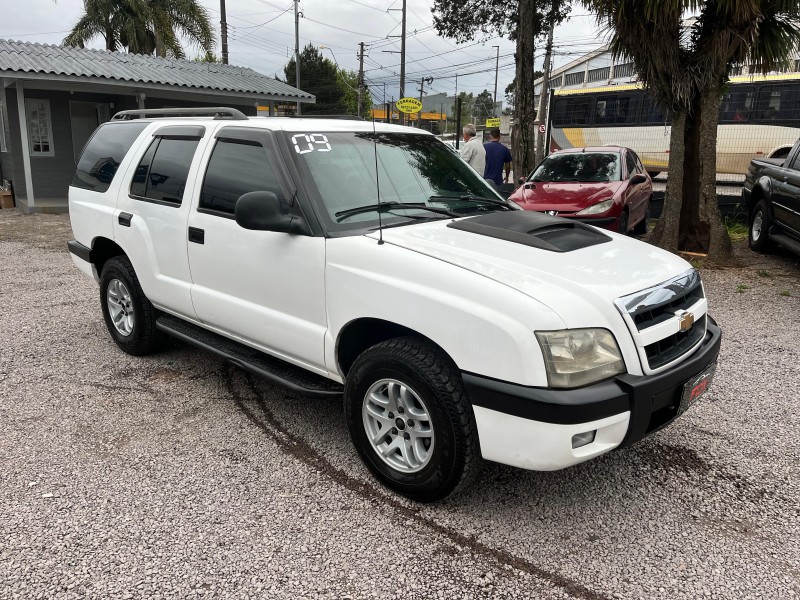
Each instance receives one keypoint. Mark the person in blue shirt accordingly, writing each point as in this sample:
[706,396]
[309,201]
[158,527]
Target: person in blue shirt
[498,157]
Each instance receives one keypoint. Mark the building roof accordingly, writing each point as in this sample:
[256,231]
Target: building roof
[18,58]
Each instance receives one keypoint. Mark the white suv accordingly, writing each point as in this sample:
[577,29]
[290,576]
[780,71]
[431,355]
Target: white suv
[342,257]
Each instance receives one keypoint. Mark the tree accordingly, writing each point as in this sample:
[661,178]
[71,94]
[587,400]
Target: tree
[144,26]
[336,89]
[484,106]
[523,21]
[686,68]
[467,106]
[510,92]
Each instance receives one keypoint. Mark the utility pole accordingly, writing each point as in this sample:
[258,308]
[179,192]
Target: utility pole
[421,92]
[496,69]
[223,32]
[297,49]
[403,54]
[544,92]
[360,77]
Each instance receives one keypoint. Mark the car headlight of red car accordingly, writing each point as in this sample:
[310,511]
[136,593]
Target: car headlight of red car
[597,209]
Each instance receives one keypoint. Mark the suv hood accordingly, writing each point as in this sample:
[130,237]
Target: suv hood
[597,273]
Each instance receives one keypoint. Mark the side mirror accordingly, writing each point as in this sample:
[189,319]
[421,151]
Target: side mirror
[521,181]
[263,211]
[638,178]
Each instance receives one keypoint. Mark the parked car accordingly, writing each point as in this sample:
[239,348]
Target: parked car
[771,193]
[368,261]
[605,186]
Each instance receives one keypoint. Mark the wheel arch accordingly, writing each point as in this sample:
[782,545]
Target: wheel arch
[102,250]
[362,333]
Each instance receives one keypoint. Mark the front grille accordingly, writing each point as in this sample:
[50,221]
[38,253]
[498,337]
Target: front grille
[656,306]
[658,312]
[666,350]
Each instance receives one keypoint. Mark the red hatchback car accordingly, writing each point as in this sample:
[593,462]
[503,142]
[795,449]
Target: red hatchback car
[605,186]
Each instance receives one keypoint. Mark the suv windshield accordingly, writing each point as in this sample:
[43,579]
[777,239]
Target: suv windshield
[414,171]
[583,166]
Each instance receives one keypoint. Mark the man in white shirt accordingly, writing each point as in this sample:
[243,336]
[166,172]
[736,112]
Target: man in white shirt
[472,150]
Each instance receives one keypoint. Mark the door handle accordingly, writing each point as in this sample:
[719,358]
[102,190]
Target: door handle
[124,219]
[197,235]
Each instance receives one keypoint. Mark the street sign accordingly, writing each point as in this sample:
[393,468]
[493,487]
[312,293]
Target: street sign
[542,128]
[409,105]
[493,122]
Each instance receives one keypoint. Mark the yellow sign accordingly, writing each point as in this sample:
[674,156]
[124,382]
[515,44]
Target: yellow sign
[409,105]
[493,122]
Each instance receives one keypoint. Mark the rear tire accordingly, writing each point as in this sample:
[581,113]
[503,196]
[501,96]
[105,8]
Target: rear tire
[129,316]
[760,222]
[641,227]
[410,419]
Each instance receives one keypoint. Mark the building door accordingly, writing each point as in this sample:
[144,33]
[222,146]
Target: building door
[84,120]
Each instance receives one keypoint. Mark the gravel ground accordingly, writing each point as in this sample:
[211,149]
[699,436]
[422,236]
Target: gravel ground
[179,476]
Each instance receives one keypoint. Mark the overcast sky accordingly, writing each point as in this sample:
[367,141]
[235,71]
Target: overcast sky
[261,36]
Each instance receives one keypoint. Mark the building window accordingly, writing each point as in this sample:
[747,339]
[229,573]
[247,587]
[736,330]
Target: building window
[599,74]
[555,82]
[40,128]
[574,78]
[623,70]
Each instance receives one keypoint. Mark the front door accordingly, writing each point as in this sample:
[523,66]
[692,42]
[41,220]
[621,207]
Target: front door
[263,287]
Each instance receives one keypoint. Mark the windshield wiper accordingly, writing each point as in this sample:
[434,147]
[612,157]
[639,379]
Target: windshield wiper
[469,198]
[343,214]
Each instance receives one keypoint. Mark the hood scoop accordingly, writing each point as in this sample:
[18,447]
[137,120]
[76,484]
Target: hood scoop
[533,229]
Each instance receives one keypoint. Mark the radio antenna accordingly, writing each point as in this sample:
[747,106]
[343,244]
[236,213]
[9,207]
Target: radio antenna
[377,182]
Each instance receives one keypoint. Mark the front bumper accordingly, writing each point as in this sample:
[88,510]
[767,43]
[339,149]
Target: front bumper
[532,427]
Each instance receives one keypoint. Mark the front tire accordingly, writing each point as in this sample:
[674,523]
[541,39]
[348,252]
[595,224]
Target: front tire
[129,316]
[410,419]
[623,223]
[641,227]
[760,222]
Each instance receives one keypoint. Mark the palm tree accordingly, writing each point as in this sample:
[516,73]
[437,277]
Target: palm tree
[682,51]
[144,26]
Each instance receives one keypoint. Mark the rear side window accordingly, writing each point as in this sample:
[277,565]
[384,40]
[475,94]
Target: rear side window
[235,168]
[162,173]
[103,154]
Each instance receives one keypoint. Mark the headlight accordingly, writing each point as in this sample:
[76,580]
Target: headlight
[576,357]
[598,208]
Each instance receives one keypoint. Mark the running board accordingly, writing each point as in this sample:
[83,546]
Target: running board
[273,369]
[787,242]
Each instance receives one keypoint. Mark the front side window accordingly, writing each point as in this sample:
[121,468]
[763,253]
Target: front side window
[414,171]
[162,173]
[630,162]
[236,168]
[103,154]
[579,167]
[40,128]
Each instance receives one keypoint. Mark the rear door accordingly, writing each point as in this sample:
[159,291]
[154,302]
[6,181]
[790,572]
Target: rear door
[263,287]
[786,196]
[152,212]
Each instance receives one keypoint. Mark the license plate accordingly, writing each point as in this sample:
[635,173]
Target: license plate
[696,388]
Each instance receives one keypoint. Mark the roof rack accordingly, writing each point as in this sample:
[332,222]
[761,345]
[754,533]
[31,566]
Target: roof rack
[218,112]
[340,117]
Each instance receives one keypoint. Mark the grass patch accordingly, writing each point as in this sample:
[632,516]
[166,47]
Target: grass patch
[736,229]
[742,287]
[764,273]
[786,293]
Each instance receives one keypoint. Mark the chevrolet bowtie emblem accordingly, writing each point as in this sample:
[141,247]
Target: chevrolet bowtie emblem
[685,321]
